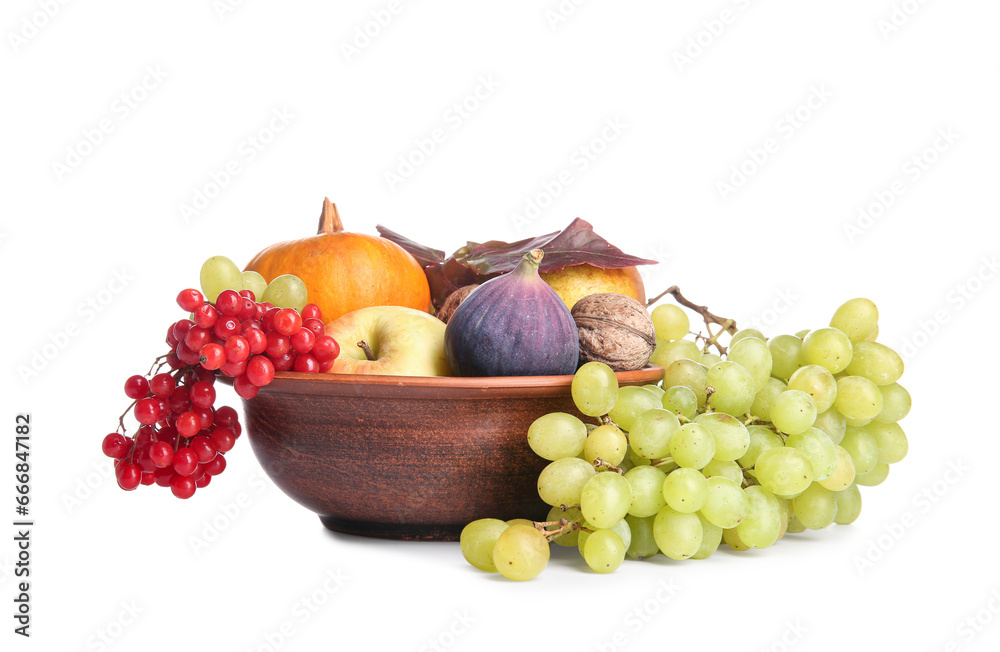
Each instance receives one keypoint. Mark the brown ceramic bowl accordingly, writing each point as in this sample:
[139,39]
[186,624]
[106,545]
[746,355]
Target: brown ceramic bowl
[407,457]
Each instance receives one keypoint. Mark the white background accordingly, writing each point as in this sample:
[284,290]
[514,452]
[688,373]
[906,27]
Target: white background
[776,252]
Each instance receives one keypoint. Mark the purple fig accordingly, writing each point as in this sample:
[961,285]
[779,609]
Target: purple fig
[513,325]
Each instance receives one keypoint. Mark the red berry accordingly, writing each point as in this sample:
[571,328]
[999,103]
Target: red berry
[325,348]
[287,321]
[256,339]
[306,362]
[206,416]
[212,356]
[203,448]
[116,445]
[237,429]
[215,466]
[136,387]
[244,388]
[284,363]
[237,348]
[129,476]
[325,366]
[202,394]
[311,311]
[188,424]
[147,478]
[229,303]
[171,340]
[147,410]
[203,481]
[197,337]
[248,310]
[277,344]
[190,299]
[234,369]
[207,375]
[303,340]
[162,477]
[180,328]
[223,439]
[173,361]
[267,321]
[314,325]
[186,354]
[226,328]
[226,416]
[185,461]
[206,315]
[180,399]
[162,384]
[161,454]
[182,486]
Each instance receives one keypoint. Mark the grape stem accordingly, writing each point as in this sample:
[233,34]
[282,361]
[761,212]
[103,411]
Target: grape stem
[728,325]
[565,527]
[601,464]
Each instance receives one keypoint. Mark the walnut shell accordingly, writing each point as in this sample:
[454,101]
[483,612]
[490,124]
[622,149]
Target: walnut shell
[614,329]
[454,299]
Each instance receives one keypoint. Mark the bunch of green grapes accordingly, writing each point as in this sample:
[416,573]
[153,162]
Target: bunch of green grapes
[773,438]
[219,273]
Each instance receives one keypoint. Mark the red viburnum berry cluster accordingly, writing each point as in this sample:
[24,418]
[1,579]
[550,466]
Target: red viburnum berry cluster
[182,437]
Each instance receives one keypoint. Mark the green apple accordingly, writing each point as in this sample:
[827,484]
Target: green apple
[401,342]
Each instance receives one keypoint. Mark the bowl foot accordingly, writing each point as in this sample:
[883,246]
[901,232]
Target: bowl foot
[403,531]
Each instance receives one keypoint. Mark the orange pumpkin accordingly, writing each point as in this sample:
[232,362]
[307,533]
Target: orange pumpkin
[347,271]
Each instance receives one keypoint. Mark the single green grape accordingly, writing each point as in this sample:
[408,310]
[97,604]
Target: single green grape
[632,401]
[286,291]
[218,273]
[816,507]
[667,352]
[783,471]
[520,552]
[562,481]
[709,359]
[710,540]
[844,473]
[857,318]
[678,535]
[895,403]
[734,388]
[829,348]
[786,356]
[594,389]
[795,526]
[680,400]
[793,411]
[746,332]
[643,544]
[557,435]
[651,432]
[891,441]
[754,355]
[647,490]
[729,470]
[606,442]
[726,504]
[255,283]
[876,362]
[605,499]
[863,448]
[762,402]
[604,551]
[732,539]
[818,382]
[761,439]
[818,449]
[761,527]
[477,540]
[731,436]
[621,528]
[656,389]
[687,373]
[670,322]
[570,538]
[833,424]
[685,490]
[848,505]
[692,446]
[858,398]
[873,478]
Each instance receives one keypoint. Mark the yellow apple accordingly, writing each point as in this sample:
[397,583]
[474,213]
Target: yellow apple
[402,342]
[577,281]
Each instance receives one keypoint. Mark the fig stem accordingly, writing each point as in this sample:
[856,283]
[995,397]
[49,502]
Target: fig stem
[729,325]
[329,219]
[367,349]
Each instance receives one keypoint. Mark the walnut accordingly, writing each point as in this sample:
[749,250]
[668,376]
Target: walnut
[447,308]
[614,329]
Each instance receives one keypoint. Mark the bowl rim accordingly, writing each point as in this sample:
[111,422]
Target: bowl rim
[335,384]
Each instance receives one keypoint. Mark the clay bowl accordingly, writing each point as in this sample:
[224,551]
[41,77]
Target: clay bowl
[407,457]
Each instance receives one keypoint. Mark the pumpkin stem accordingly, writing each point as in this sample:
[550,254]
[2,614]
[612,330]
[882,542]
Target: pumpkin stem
[329,219]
